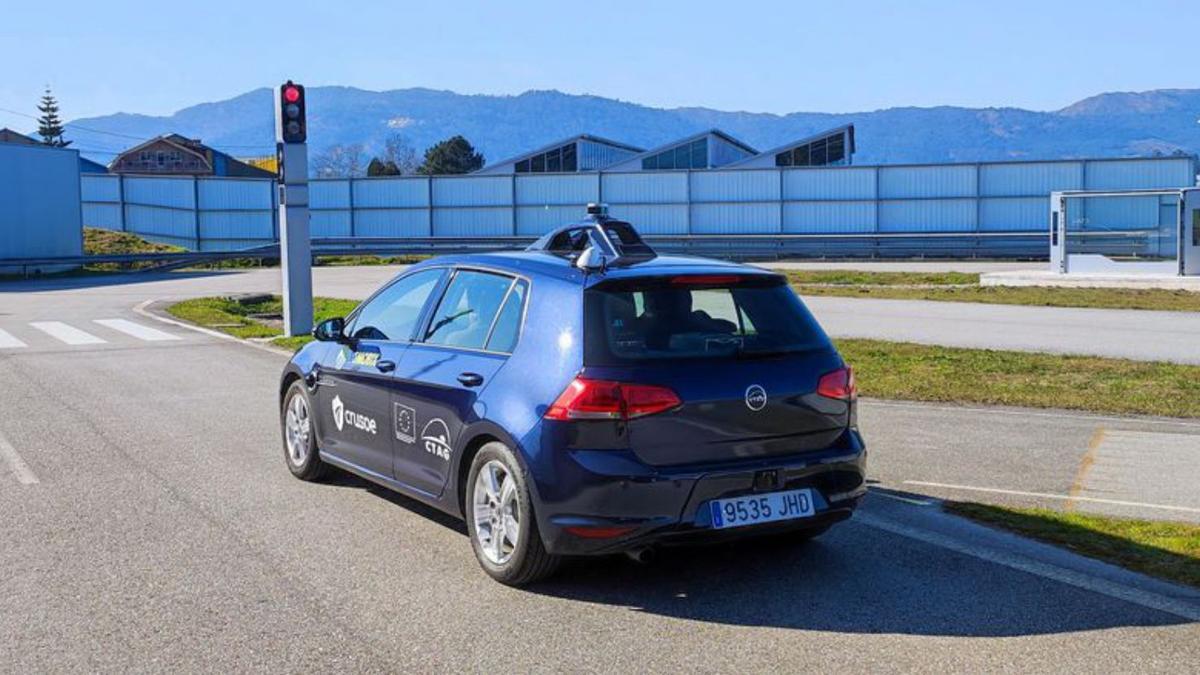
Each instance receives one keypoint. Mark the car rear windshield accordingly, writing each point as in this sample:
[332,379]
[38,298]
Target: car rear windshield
[697,317]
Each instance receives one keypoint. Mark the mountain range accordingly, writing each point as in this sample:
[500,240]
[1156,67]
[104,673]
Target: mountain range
[1121,124]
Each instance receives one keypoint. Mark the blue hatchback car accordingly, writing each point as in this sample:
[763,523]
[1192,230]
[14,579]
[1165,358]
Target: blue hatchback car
[584,397]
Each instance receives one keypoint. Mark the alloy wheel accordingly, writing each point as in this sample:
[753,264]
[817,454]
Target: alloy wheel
[497,512]
[297,427]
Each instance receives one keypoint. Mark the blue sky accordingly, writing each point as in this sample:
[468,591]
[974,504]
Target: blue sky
[156,57]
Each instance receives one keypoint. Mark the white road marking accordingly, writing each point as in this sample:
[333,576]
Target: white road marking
[17,465]
[1028,413]
[1150,600]
[1045,495]
[68,334]
[137,330]
[906,500]
[7,341]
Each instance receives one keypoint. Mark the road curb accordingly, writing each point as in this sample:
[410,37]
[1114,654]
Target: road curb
[933,526]
[154,309]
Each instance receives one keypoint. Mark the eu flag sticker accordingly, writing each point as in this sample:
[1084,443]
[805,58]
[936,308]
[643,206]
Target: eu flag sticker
[715,507]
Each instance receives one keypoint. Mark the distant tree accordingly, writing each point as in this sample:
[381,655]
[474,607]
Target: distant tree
[340,161]
[382,167]
[398,152]
[50,126]
[398,159]
[451,156]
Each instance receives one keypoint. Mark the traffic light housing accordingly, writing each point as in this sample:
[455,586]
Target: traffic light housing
[292,125]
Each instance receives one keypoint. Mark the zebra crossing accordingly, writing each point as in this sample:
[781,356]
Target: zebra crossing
[80,333]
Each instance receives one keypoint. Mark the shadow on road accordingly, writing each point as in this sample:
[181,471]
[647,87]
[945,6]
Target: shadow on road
[854,579]
[67,282]
[345,479]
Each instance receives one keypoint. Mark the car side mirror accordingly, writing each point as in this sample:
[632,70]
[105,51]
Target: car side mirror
[330,330]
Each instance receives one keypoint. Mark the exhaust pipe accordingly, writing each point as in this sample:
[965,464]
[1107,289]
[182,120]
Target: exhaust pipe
[642,556]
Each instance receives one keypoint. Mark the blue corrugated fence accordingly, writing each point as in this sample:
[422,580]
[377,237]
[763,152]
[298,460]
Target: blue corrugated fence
[958,199]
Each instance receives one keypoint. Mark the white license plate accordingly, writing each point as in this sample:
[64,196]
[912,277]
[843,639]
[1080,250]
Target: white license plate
[764,508]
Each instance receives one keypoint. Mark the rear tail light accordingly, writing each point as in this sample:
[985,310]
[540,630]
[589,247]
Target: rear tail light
[839,384]
[585,399]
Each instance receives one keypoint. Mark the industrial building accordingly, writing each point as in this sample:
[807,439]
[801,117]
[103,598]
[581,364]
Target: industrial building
[584,152]
[711,149]
[706,150]
[834,147]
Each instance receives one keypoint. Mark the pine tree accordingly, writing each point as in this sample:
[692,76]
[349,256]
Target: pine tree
[451,156]
[50,127]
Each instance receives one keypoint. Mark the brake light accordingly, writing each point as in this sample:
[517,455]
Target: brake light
[705,279]
[838,384]
[586,399]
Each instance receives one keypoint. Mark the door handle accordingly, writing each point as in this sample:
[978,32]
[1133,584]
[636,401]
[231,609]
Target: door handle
[470,379]
[385,366]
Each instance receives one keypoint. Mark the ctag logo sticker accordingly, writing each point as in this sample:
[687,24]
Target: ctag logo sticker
[436,438]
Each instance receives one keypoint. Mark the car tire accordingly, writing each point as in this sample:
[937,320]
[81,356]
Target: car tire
[497,496]
[299,435]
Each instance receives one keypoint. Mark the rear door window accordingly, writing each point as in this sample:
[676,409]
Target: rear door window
[508,321]
[468,309]
[696,317]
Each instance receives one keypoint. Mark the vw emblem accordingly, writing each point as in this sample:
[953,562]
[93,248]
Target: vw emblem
[756,397]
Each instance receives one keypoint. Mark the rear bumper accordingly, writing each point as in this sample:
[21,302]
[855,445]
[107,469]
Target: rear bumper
[669,506]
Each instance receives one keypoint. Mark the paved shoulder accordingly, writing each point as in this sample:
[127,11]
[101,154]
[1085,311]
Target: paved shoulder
[1119,333]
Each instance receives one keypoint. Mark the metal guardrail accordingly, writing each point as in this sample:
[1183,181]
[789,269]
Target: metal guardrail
[751,246]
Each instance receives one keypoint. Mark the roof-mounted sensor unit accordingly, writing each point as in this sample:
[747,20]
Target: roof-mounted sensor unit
[596,242]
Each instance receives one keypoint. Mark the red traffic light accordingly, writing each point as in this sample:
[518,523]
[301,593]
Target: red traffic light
[290,127]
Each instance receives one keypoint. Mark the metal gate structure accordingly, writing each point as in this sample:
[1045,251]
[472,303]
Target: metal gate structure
[1146,232]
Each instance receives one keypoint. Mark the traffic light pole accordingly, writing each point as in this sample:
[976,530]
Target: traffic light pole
[295,245]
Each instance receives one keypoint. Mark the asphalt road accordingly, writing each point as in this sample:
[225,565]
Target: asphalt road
[149,524]
[1131,334]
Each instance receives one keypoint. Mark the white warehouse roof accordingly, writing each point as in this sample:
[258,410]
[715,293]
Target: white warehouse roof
[582,152]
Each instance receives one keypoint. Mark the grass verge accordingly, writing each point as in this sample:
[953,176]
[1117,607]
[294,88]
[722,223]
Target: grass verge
[878,279]
[248,320]
[962,287]
[1166,550]
[108,242]
[888,370]
[903,370]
